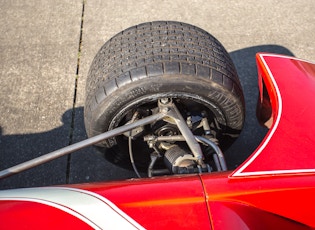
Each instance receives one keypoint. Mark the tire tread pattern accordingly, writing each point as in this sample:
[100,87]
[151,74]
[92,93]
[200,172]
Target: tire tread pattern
[156,48]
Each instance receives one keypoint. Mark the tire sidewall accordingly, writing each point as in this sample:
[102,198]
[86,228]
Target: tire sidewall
[151,89]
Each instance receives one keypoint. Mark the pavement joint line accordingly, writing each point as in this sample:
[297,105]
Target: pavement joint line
[72,126]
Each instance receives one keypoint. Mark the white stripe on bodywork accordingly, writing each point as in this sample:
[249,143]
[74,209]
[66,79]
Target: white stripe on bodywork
[239,172]
[91,208]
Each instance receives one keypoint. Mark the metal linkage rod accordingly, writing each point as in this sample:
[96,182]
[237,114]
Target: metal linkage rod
[186,132]
[77,146]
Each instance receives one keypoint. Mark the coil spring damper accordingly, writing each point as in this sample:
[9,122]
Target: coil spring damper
[180,161]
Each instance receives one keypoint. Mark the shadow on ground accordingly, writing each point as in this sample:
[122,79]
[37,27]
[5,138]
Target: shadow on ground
[87,166]
[253,133]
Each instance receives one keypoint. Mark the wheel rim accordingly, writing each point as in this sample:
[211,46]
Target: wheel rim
[182,100]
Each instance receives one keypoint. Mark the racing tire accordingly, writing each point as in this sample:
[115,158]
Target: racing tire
[162,59]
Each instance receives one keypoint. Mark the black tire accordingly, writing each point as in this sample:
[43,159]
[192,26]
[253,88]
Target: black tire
[156,60]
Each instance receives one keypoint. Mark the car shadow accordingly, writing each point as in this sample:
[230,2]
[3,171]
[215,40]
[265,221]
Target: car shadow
[15,149]
[87,166]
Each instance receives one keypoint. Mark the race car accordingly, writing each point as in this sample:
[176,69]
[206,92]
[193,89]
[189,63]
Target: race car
[164,99]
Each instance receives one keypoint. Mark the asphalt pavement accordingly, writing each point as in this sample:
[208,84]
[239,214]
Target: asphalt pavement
[46,48]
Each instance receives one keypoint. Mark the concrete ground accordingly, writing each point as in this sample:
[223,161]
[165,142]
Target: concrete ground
[46,48]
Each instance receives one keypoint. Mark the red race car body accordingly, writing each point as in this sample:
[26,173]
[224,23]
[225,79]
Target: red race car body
[273,189]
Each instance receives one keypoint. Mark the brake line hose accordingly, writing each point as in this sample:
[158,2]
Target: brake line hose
[134,117]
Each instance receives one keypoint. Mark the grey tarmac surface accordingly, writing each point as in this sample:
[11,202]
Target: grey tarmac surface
[46,48]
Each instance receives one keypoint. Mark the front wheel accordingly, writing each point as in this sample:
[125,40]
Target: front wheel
[151,61]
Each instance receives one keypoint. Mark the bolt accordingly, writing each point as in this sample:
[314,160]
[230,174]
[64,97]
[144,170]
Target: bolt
[165,101]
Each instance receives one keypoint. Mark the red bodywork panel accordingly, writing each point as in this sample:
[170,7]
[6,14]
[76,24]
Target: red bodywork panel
[289,145]
[276,202]
[273,189]
[160,203]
